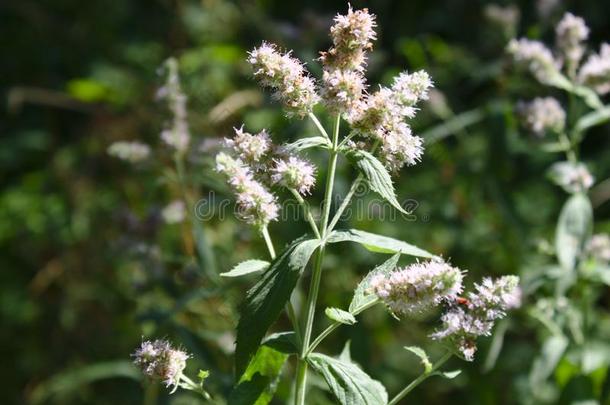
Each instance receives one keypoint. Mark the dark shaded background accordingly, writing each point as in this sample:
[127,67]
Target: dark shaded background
[87,266]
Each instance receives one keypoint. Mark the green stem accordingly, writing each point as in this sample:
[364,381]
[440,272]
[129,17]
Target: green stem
[331,328]
[419,380]
[268,242]
[315,120]
[314,287]
[307,212]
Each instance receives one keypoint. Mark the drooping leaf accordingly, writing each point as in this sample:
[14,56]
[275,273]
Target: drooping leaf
[361,295]
[419,352]
[573,229]
[258,383]
[265,301]
[377,243]
[247,267]
[341,316]
[376,175]
[348,382]
[284,342]
[307,143]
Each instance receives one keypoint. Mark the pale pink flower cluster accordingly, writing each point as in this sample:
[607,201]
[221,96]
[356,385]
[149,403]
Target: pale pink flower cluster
[571,33]
[286,76]
[343,81]
[536,57]
[595,72]
[132,152]
[476,315]
[251,148]
[158,360]
[177,135]
[383,118]
[418,287]
[599,247]
[542,115]
[572,177]
[294,173]
[257,206]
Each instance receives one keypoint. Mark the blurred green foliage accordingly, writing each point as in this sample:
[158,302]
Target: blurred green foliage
[88,267]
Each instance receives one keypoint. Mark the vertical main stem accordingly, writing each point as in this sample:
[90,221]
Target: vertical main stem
[314,287]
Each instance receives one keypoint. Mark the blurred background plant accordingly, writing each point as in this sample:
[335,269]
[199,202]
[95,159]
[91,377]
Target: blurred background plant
[95,254]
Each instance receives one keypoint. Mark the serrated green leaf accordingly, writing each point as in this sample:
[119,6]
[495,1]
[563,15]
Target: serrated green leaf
[247,267]
[419,352]
[341,316]
[307,143]
[265,301]
[283,342]
[377,243]
[376,175]
[347,381]
[259,382]
[361,295]
[573,229]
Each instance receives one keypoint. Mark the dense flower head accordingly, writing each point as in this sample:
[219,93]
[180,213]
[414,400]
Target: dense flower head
[129,151]
[534,56]
[352,34]
[257,206]
[463,323]
[598,247]
[418,287]
[571,32]
[572,177]
[177,135]
[595,72]
[286,76]
[160,361]
[541,115]
[250,147]
[382,117]
[294,173]
[410,88]
[343,90]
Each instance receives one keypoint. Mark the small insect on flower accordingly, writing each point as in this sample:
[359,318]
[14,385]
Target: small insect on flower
[418,287]
[159,361]
[474,316]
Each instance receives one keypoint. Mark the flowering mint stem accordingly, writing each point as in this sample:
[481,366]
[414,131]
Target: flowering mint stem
[308,215]
[318,125]
[200,238]
[419,379]
[314,287]
[189,384]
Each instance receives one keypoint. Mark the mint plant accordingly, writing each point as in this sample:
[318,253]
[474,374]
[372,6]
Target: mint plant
[574,270]
[370,131]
